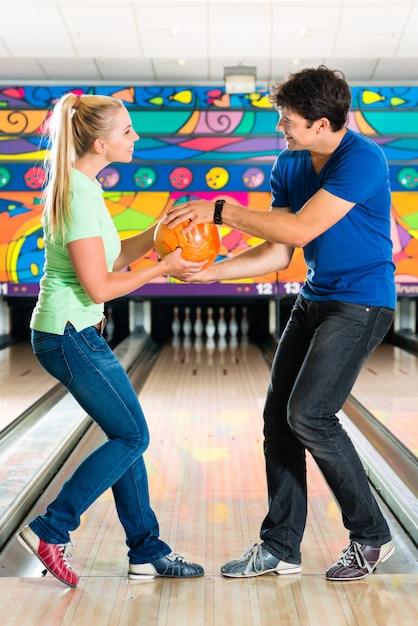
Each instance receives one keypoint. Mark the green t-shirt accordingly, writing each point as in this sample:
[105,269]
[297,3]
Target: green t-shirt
[61,297]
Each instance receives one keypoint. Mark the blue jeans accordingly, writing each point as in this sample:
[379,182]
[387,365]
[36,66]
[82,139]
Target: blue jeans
[88,369]
[318,358]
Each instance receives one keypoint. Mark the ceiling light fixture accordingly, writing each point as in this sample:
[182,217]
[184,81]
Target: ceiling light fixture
[240,79]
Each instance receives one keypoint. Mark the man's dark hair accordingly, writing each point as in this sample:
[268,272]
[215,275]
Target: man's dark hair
[314,93]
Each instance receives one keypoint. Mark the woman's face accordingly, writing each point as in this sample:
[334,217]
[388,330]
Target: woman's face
[119,145]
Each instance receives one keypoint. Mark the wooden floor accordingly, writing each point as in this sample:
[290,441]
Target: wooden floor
[207,485]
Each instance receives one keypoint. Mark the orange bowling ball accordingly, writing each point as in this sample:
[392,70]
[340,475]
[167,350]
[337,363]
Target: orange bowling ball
[202,243]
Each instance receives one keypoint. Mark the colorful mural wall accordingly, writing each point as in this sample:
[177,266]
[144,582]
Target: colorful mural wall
[195,142]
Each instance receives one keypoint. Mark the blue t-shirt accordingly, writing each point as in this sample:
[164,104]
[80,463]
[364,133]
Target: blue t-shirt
[352,260]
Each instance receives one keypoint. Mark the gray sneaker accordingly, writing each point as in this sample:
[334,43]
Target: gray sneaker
[171,566]
[256,561]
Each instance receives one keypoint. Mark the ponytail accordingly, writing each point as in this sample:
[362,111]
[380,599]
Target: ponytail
[73,126]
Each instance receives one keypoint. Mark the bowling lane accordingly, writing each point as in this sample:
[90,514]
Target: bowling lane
[203,401]
[387,388]
[22,381]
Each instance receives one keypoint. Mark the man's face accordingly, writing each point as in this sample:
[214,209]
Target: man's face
[299,133]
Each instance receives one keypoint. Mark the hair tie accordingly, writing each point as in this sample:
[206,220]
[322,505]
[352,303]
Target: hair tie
[75,105]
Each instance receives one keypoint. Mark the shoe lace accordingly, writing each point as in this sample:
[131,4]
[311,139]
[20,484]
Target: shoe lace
[353,554]
[251,554]
[66,554]
[175,556]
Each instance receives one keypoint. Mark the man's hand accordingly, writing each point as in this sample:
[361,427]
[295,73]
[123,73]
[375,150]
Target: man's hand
[194,212]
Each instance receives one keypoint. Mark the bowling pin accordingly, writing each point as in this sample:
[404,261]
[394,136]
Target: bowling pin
[222,345]
[198,347]
[187,322]
[245,325]
[110,325]
[187,346]
[222,326]
[210,328]
[244,347]
[4,317]
[233,326]
[198,324]
[176,325]
[176,344]
[233,345]
[210,349]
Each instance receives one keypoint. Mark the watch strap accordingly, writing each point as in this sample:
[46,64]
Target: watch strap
[217,215]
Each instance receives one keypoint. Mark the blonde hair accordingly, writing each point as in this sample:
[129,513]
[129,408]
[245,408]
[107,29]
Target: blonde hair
[73,126]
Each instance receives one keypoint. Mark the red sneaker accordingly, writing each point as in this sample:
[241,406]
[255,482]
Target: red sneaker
[53,556]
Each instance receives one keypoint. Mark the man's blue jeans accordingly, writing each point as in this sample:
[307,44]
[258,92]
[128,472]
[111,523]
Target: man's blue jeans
[85,365]
[319,356]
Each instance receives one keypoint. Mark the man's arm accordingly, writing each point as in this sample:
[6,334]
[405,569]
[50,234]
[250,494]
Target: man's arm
[321,212]
[259,260]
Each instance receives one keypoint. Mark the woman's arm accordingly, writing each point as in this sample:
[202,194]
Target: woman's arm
[135,247]
[88,258]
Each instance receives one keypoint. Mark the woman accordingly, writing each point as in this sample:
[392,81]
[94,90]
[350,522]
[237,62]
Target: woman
[84,256]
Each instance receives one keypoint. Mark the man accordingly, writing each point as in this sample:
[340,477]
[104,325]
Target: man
[331,197]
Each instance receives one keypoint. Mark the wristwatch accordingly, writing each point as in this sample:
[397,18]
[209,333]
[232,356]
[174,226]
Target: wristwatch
[217,215]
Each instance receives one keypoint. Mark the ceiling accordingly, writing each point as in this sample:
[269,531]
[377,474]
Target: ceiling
[191,41]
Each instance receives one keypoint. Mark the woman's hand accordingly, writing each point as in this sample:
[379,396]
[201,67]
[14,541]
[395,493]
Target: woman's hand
[179,268]
[204,276]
